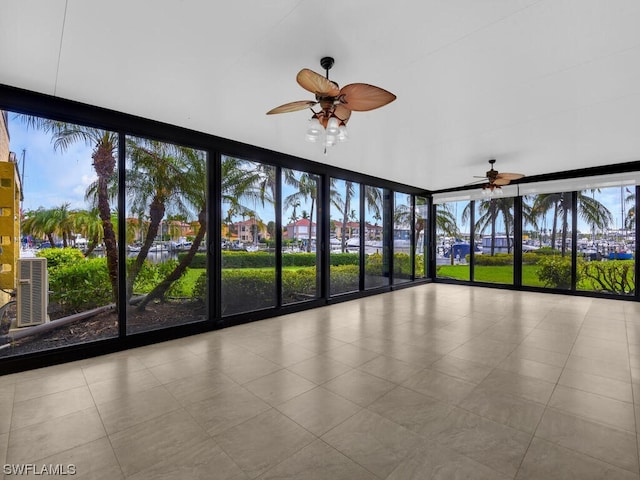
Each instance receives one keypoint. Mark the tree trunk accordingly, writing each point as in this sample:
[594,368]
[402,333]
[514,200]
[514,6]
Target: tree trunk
[313,200]
[160,289]
[156,213]
[554,230]
[564,231]
[104,164]
[345,217]
[493,226]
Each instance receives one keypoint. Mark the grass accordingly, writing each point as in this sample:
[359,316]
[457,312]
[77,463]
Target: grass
[491,274]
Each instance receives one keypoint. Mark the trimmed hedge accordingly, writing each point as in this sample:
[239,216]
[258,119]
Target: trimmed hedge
[266,259]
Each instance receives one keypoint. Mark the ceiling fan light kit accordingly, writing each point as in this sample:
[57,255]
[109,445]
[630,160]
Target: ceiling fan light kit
[329,125]
[493,188]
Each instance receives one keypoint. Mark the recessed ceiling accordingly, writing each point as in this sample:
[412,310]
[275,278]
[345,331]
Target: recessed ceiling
[541,85]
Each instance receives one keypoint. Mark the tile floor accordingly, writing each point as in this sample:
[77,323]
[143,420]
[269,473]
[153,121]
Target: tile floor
[437,381]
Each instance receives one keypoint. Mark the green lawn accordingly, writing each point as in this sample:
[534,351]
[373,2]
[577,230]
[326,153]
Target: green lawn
[491,274]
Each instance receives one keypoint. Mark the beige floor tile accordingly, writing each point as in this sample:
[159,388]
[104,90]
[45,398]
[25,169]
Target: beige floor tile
[136,408]
[318,410]
[430,461]
[6,406]
[374,442]
[518,385]
[595,407]
[485,441]
[4,444]
[359,387]
[482,355]
[56,382]
[199,386]
[389,368]
[287,354]
[618,447]
[543,356]
[35,442]
[511,410]
[247,367]
[351,355]
[146,444]
[203,461]
[318,461]
[463,369]
[110,366]
[278,387]
[187,366]
[440,386]
[319,369]
[547,461]
[531,368]
[264,441]
[95,460]
[226,409]
[603,368]
[47,407]
[410,409]
[123,385]
[607,387]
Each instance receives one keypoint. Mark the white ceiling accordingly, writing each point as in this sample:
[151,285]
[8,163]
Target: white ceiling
[541,85]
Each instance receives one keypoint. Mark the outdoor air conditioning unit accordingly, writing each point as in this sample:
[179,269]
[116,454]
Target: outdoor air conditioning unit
[33,292]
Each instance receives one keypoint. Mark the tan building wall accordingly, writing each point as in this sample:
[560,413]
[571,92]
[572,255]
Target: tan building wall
[9,212]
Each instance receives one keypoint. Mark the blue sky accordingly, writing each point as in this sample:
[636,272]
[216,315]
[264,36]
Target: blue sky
[51,178]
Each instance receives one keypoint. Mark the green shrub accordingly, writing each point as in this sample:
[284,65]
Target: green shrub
[373,264]
[555,271]
[298,284]
[493,260]
[613,276]
[200,287]
[247,289]
[344,259]
[402,265]
[344,278]
[57,257]
[80,286]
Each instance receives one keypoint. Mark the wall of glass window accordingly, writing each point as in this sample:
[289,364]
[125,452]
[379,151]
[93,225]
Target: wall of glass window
[575,235]
[129,232]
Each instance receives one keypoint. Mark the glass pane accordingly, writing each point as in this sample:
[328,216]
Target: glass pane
[402,255]
[453,235]
[300,258]
[422,229]
[546,240]
[344,225]
[606,240]
[56,239]
[248,236]
[166,214]
[494,222]
[376,265]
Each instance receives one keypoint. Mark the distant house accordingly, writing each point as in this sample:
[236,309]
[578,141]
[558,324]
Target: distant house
[299,230]
[351,230]
[250,231]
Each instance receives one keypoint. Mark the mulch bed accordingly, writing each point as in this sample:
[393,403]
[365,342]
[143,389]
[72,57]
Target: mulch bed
[105,325]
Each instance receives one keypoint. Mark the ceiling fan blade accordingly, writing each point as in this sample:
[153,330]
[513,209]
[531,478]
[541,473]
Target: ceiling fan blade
[477,182]
[292,107]
[510,176]
[342,112]
[501,181]
[316,83]
[361,97]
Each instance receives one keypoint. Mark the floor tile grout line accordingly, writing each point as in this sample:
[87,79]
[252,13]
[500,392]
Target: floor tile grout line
[533,434]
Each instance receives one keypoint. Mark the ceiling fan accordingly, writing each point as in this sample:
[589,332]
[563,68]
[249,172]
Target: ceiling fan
[336,104]
[496,180]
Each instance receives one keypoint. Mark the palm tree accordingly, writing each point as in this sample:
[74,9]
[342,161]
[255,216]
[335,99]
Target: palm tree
[446,220]
[589,209]
[154,182]
[39,223]
[489,212]
[88,224]
[104,145]
[306,185]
